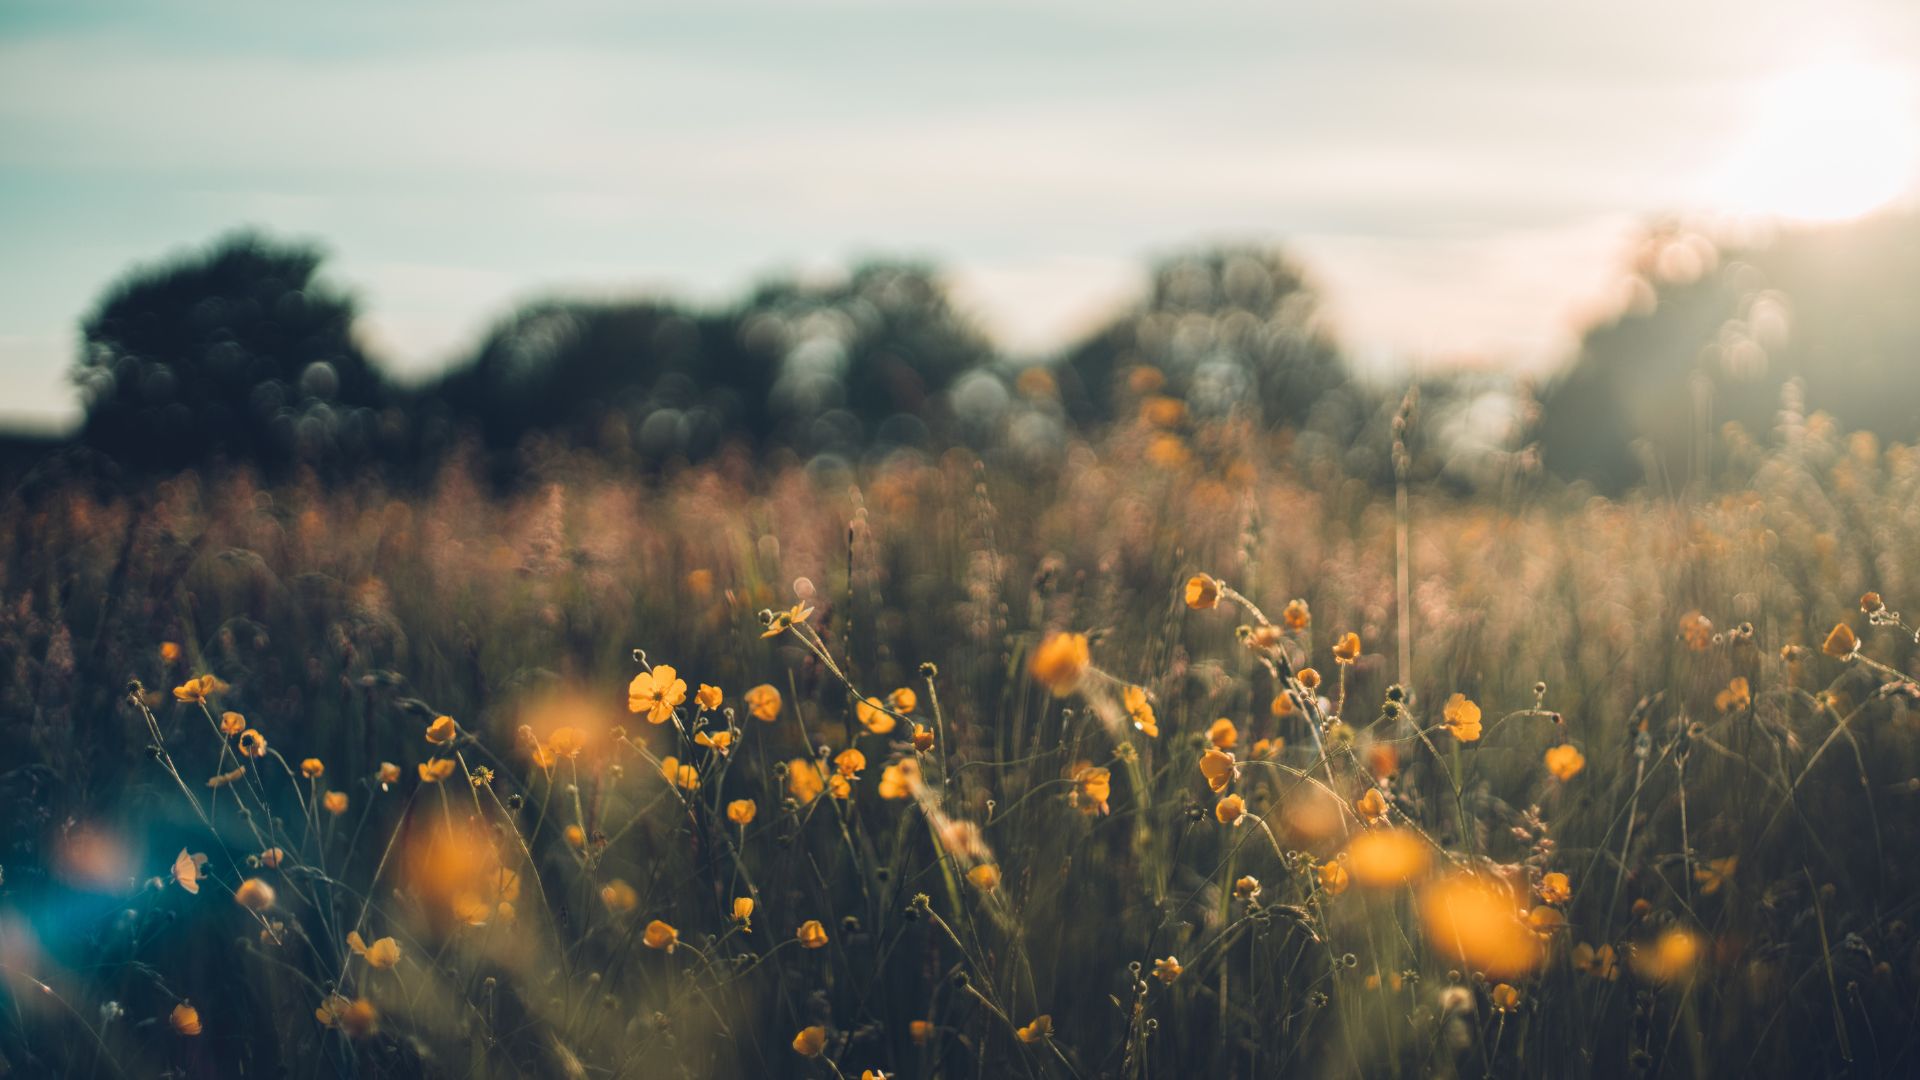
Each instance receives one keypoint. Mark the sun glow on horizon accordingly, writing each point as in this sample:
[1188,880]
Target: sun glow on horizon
[1826,143]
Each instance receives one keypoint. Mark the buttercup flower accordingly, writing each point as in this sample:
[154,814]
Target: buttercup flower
[335,802]
[741,811]
[1462,718]
[434,770]
[1565,761]
[1385,858]
[186,870]
[253,744]
[812,935]
[708,698]
[1092,787]
[1333,878]
[656,693]
[804,782]
[1840,643]
[185,1019]
[658,935]
[381,955]
[1735,698]
[1347,649]
[232,723]
[873,715]
[903,700]
[313,768]
[1296,615]
[798,613]
[1040,1027]
[1230,809]
[1060,662]
[1218,768]
[898,780]
[254,894]
[1167,969]
[1222,734]
[811,1042]
[763,702]
[743,912]
[1372,805]
[619,896]
[1140,711]
[985,877]
[1203,592]
[1555,889]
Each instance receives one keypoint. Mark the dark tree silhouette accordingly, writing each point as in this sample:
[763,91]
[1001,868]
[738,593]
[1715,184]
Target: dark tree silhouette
[239,351]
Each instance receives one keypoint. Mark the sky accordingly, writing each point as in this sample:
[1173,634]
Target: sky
[1461,178]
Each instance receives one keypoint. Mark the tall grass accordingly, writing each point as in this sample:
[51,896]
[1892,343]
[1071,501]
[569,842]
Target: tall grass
[1047,863]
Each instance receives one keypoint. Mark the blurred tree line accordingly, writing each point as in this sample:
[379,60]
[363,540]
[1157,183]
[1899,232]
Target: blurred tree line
[243,352]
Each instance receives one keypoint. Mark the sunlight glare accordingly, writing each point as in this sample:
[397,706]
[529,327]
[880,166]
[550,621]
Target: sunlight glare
[1826,143]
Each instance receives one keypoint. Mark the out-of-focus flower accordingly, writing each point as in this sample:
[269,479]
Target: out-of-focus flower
[226,778]
[1372,805]
[254,894]
[1092,787]
[232,723]
[708,698]
[720,742]
[658,935]
[1040,1027]
[1672,956]
[1388,858]
[1383,761]
[1476,920]
[1555,888]
[356,1019]
[170,652]
[763,702]
[313,768]
[1715,873]
[920,1031]
[903,700]
[197,690]
[849,762]
[185,1019]
[898,780]
[1840,643]
[1296,616]
[1696,630]
[656,693]
[1230,809]
[253,744]
[388,773]
[922,738]
[186,870]
[1167,969]
[384,953]
[804,781]
[1462,718]
[811,1041]
[619,896]
[1565,761]
[812,935]
[1222,734]
[442,731]
[985,877]
[839,787]
[873,715]
[1203,592]
[1735,698]
[576,836]
[1140,711]
[1347,649]
[1505,998]
[1598,963]
[434,770]
[742,811]
[335,802]
[1247,888]
[680,775]
[1283,703]
[1060,662]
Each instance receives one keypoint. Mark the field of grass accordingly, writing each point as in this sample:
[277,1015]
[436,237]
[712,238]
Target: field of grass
[1004,772]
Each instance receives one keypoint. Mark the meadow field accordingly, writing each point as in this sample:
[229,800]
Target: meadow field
[1188,753]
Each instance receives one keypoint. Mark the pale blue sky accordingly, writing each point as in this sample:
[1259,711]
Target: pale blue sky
[1460,175]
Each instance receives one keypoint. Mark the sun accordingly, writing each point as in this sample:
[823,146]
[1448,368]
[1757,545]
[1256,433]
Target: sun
[1826,143]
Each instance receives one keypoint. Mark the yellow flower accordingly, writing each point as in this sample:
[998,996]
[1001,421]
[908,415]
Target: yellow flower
[254,894]
[253,744]
[1735,698]
[575,835]
[922,738]
[1222,734]
[389,773]
[743,912]
[849,762]
[1555,889]
[1462,718]
[903,700]
[656,693]
[1672,956]
[685,776]
[1505,998]
[872,713]
[357,1018]
[1596,962]
[381,955]
[1218,768]
[1565,761]
[619,897]
[272,858]
[898,780]
[794,615]
[1713,874]
[1266,748]
[434,770]
[1167,970]
[335,802]
[1092,787]
[720,742]
[839,787]
[1060,662]
[442,731]
[1372,805]
[1333,878]
[185,1019]
[1347,649]
[1296,615]
[1696,630]
[921,1031]
[1840,643]
[659,935]
[196,691]
[1385,858]
[742,811]
[1247,888]
[812,935]
[1230,809]
[1283,703]
[811,1042]
[1140,711]
[170,652]
[985,877]
[1041,1027]
[1476,920]
[567,742]
[1309,678]
[232,723]
[763,702]
[1203,592]
[186,870]
[708,697]
[804,782]
[313,768]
